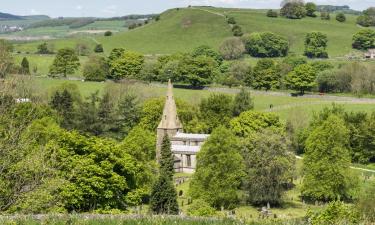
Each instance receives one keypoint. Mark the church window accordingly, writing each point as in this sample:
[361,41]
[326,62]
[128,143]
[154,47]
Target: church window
[188,160]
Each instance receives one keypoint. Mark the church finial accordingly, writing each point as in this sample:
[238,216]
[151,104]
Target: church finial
[170,119]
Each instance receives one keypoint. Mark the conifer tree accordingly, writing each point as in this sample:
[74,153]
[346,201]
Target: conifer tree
[166,158]
[63,104]
[25,68]
[242,102]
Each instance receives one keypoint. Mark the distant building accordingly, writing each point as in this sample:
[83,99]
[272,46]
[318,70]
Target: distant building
[370,54]
[23,100]
[184,146]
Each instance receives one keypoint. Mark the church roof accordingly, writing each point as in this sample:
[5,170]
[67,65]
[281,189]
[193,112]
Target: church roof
[185,149]
[170,119]
[191,136]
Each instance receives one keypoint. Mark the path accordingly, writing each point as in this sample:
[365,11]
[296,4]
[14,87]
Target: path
[352,167]
[206,10]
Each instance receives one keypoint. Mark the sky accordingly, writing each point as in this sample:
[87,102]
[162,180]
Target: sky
[111,8]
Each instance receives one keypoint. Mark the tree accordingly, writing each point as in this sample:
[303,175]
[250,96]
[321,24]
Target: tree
[326,163]
[82,49]
[106,115]
[232,48]
[197,71]
[336,212]
[163,198]
[128,111]
[216,110]
[293,10]
[231,20]
[98,48]
[266,74]
[108,33]
[310,9]
[205,50]
[237,31]
[66,62]
[315,45]
[63,104]
[269,167]
[44,49]
[364,39]
[128,65]
[242,102]
[6,60]
[302,78]
[266,44]
[219,170]
[95,69]
[271,13]
[25,68]
[166,158]
[367,18]
[341,17]
[240,72]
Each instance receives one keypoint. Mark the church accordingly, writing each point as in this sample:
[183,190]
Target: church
[184,146]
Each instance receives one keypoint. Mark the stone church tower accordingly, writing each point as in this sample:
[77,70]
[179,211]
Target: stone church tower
[170,124]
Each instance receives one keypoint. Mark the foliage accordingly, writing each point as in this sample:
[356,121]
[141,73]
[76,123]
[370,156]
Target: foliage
[365,203]
[166,158]
[98,48]
[197,71]
[367,19]
[108,33]
[327,175]
[272,13]
[164,197]
[335,212]
[205,50]
[232,48]
[237,73]
[95,69]
[293,10]
[301,78]
[325,16]
[128,65]
[266,74]
[219,170]
[315,45]
[6,60]
[25,67]
[44,48]
[242,102]
[364,39]
[341,17]
[237,31]
[128,111]
[266,44]
[310,9]
[231,20]
[200,208]
[151,113]
[82,49]
[216,110]
[269,167]
[65,62]
[250,122]
[63,104]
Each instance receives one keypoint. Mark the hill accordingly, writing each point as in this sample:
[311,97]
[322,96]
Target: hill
[7,16]
[184,29]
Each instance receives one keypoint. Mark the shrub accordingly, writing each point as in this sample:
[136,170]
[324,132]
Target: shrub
[310,9]
[334,213]
[341,17]
[108,33]
[325,16]
[266,44]
[95,69]
[99,48]
[231,20]
[271,13]
[237,31]
[232,48]
[367,19]
[315,45]
[293,10]
[200,208]
[364,39]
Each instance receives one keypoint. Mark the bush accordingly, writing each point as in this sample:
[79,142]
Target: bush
[334,213]
[237,31]
[108,33]
[310,9]
[231,20]
[315,45]
[367,19]
[232,48]
[325,16]
[293,10]
[95,69]
[341,17]
[271,13]
[266,44]
[364,39]
[99,48]
[200,208]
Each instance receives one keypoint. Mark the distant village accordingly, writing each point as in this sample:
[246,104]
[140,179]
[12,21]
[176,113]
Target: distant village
[8,29]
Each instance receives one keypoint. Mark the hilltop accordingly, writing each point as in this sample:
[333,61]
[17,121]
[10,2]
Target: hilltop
[7,16]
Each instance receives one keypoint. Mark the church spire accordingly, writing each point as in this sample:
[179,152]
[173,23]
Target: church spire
[170,119]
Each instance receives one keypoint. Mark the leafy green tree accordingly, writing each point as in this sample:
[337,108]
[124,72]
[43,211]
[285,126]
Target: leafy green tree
[325,16]
[115,54]
[231,20]
[335,212]
[152,111]
[269,167]
[272,13]
[364,39]
[87,119]
[237,31]
[315,45]
[25,67]
[327,174]
[367,18]
[205,50]
[95,69]
[219,170]
[44,49]
[164,197]
[6,59]
[232,48]
[341,17]
[128,113]
[108,33]
[266,44]
[310,9]
[242,102]
[98,48]
[302,78]
[250,122]
[216,110]
[201,208]
[107,115]
[82,49]
[63,104]
[266,74]
[128,65]
[197,71]
[140,144]
[293,10]
[66,62]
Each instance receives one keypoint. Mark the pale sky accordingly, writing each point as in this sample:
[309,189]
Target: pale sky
[110,8]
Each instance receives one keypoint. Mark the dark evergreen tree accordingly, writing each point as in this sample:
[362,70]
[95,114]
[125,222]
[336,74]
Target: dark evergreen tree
[99,48]
[106,114]
[128,114]
[166,158]
[25,67]
[242,102]
[63,104]
[87,116]
[164,197]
